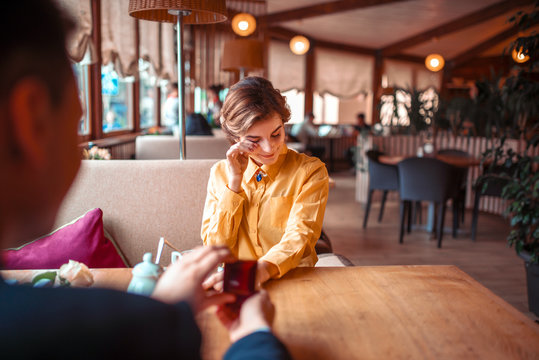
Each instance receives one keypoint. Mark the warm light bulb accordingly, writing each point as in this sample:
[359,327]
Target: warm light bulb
[519,56]
[299,45]
[434,62]
[244,24]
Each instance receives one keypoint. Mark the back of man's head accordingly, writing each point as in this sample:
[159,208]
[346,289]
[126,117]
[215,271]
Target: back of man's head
[39,113]
[32,37]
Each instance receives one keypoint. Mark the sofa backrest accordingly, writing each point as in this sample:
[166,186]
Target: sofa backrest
[141,201]
[151,147]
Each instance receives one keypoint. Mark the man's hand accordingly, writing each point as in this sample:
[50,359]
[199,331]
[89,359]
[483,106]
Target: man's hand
[183,279]
[256,312]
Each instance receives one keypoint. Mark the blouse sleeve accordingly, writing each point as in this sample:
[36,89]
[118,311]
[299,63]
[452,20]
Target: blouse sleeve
[223,211]
[304,223]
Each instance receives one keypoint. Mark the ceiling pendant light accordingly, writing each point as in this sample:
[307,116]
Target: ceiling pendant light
[519,56]
[299,45]
[244,24]
[434,62]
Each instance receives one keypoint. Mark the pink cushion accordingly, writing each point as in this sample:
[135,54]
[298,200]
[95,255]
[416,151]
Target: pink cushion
[82,240]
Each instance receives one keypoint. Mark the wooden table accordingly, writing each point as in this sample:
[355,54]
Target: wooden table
[385,312]
[455,160]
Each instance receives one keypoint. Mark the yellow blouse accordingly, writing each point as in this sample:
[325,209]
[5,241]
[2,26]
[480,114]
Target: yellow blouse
[277,219]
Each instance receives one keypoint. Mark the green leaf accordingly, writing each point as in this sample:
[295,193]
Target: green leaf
[50,275]
[519,246]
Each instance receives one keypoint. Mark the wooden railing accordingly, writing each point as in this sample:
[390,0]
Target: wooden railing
[407,145]
[120,147]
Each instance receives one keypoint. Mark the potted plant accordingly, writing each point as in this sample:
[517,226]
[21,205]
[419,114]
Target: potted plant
[519,114]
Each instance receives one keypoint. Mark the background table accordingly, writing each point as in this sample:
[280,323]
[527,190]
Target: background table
[455,160]
[386,312]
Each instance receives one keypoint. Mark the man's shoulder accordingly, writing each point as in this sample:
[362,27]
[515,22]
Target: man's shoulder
[66,322]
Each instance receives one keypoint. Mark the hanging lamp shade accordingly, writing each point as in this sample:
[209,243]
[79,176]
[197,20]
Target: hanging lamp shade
[243,24]
[434,62]
[243,55]
[519,56]
[200,11]
[299,45]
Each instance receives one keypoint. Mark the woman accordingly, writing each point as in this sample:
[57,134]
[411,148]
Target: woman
[265,201]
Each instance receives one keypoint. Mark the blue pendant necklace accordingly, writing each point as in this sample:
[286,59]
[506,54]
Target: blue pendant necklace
[259,175]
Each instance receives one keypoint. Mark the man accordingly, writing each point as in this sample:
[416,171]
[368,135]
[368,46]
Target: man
[361,125]
[304,132]
[170,108]
[39,114]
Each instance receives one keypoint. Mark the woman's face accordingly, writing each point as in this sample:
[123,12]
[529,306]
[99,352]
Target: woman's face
[268,135]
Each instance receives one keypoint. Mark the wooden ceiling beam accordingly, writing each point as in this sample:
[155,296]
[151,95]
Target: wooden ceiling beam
[326,8]
[469,54]
[455,25]
[283,34]
[344,47]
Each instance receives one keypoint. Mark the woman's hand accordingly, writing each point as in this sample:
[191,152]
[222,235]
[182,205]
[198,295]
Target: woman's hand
[264,272]
[237,158]
[183,279]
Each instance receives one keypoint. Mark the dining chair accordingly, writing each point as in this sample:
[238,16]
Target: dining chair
[462,175]
[426,179]
[490,185]
[381,177]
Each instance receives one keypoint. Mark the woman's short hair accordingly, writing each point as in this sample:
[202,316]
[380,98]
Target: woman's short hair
[248,101]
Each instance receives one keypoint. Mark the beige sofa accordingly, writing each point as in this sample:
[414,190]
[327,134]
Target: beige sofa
[153,147]
[144,200]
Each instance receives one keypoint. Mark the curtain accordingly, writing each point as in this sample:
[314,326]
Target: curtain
[286,70]
[342,74]
[208,42]
[118,43]
[168,52]
[149,35]
[80,39]
[411,75]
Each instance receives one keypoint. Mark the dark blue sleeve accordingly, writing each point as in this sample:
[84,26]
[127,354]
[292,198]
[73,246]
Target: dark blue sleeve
[93,324]
[260,345]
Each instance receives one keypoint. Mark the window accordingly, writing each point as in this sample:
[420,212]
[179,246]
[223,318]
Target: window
[401,101]
[201,101]
[393,109]
[429,98]
[296,101]
[116,95]
[326,109]
[147,95]
[164,92]
[81,74]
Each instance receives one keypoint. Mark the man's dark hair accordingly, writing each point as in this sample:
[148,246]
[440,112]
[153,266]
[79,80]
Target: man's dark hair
[33,44]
